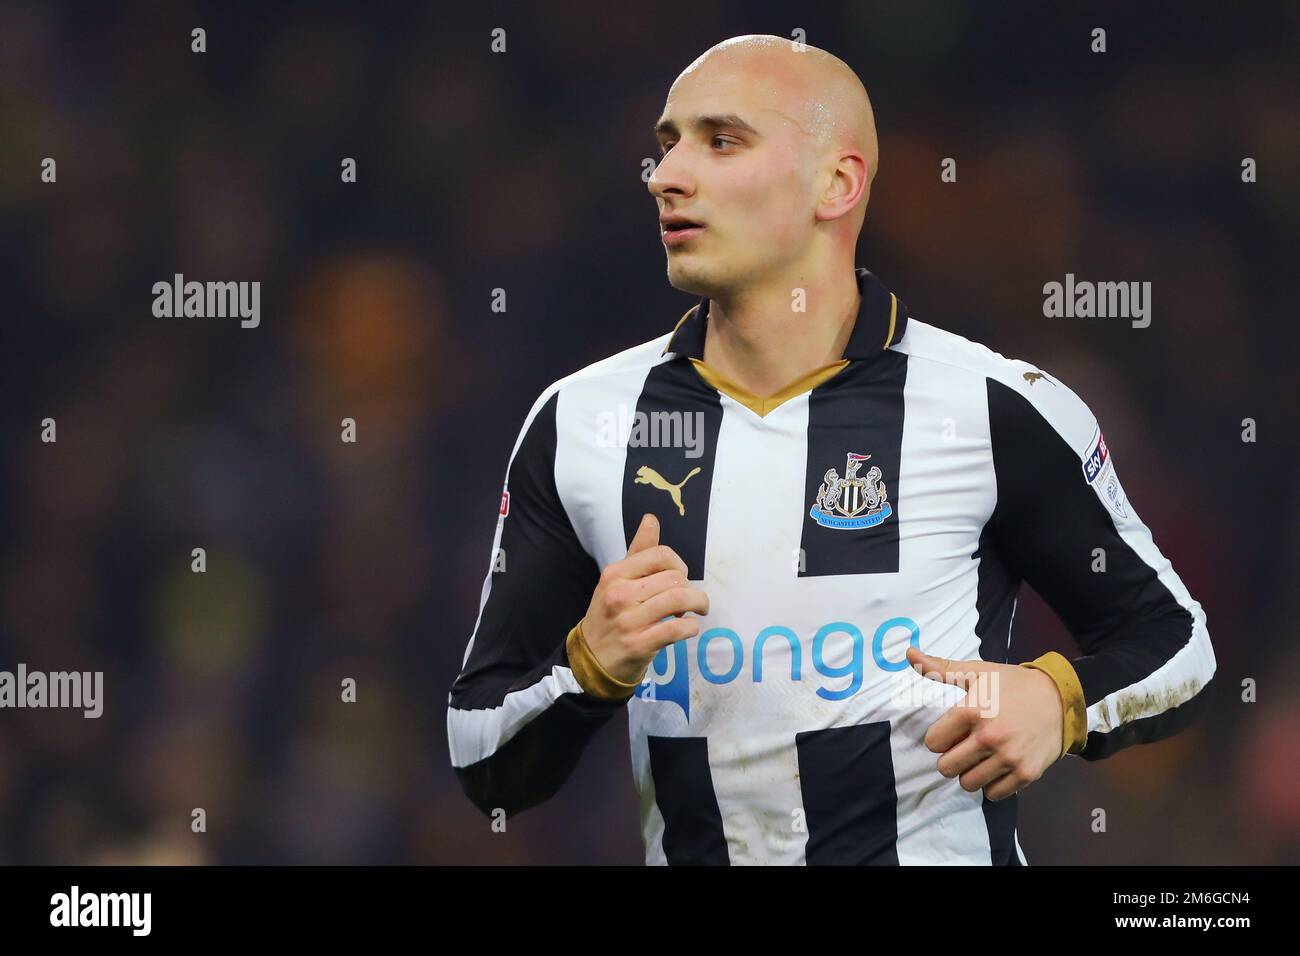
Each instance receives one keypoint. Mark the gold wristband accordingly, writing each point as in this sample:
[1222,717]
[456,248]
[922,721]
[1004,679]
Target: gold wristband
[1074,710]
[592,677]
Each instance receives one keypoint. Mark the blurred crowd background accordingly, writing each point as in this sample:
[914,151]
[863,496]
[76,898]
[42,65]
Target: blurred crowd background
[522,170]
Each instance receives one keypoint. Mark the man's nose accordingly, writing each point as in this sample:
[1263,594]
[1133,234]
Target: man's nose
[670,177]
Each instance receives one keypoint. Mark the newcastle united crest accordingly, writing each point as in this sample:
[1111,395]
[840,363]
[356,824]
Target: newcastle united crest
[851,502]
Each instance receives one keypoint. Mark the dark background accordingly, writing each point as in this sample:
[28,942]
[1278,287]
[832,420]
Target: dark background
[522,171]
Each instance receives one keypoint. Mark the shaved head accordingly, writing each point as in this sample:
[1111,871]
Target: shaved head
[816,91]
[771,146]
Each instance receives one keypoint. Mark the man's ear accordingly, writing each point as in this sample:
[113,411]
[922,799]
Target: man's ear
[848,185]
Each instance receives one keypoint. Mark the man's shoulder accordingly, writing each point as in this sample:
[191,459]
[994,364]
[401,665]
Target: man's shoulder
[1039,387]
[633,361]
[932,343]
[630,366]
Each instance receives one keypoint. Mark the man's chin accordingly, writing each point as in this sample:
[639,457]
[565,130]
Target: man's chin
[689,277]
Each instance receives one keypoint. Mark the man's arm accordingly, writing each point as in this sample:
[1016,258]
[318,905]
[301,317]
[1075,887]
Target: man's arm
[518,717]
[1147,667]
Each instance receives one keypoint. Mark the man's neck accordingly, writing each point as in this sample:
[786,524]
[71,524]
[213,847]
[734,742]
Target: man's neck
[762,344]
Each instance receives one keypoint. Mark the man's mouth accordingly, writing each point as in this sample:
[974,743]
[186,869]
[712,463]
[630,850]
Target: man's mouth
[677,229]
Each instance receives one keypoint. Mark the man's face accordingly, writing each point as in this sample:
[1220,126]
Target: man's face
[734,160]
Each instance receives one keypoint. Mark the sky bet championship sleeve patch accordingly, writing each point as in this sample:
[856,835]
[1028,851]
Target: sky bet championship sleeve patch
[1099,470]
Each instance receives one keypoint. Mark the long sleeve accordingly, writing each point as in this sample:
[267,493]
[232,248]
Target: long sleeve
[1064,524]
[518,719]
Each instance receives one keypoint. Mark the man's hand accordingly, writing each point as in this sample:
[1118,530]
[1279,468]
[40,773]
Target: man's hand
[624,626]
[1005,734]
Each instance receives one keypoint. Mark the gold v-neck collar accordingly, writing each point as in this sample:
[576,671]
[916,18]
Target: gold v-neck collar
[881,322]
[757,404]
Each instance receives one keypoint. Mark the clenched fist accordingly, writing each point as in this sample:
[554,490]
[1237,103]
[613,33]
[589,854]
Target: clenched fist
[625,624]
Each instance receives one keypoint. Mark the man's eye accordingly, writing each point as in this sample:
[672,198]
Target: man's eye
[663,149]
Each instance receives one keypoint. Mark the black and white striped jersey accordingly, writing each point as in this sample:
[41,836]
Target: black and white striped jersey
[901,499]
